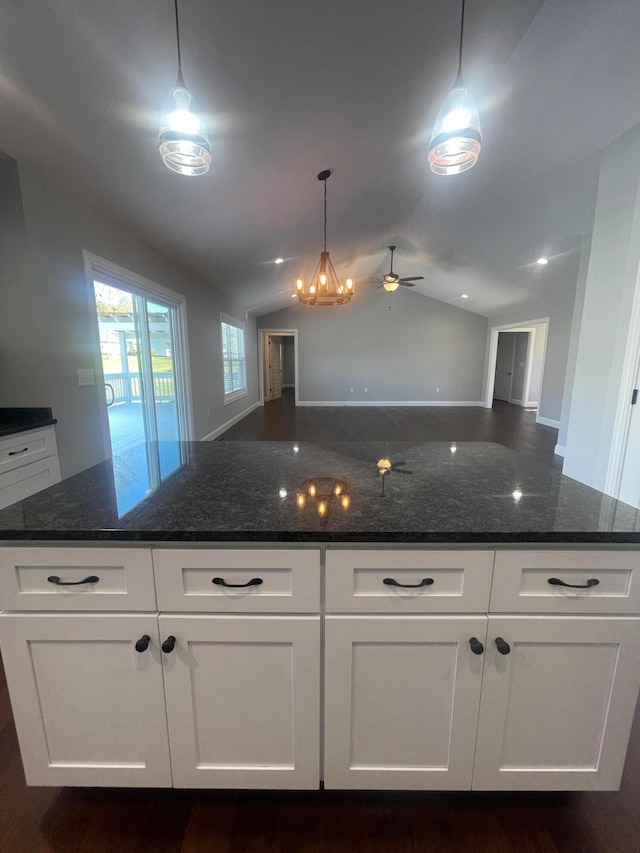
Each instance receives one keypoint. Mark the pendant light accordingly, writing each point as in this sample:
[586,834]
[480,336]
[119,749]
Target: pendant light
[324,288]
[183,141]
[455,142]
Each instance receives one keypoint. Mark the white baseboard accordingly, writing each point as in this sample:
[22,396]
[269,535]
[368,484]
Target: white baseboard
[388,403]
[516,402]
[560,450]
[211,436]
[531,405]
[547,422]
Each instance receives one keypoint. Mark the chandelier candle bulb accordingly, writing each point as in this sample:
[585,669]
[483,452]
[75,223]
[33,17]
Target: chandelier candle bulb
[301,499]
[345,501]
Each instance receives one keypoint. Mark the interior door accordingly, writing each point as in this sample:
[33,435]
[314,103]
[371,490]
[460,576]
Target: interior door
[275,367]
[504,366]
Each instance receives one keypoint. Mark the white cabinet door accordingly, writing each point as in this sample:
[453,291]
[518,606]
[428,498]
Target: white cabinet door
[243,697]
[89,708]
[401,701]
[557,709]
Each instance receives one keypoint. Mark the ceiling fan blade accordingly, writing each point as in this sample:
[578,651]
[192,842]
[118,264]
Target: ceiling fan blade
[378,286]
[413,278]
[403,471]
[406,283]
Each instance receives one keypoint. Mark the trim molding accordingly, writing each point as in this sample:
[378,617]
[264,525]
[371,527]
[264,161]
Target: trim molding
[560,450]
[390,403]
[290,385]
[548,422]
[211,436]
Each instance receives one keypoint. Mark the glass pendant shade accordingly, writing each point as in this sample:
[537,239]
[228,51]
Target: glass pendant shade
[183,141]
[456,139]
[390,284]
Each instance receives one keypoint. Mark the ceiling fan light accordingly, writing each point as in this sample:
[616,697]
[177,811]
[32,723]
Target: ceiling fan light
[390,286]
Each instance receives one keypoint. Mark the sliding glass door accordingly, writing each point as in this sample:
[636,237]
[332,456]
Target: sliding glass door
[141,361]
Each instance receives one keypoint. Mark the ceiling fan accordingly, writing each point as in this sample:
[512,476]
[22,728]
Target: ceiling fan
[392,281]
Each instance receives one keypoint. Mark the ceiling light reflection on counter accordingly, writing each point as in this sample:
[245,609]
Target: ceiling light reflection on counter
[542,261]
[322,492]
[516,494]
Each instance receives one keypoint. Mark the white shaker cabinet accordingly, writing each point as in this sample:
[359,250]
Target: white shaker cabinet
[401,701]
[558,702]
[243,700]
[88,705]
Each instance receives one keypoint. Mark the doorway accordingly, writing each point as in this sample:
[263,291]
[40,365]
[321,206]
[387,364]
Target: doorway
[516,364]
[279,365]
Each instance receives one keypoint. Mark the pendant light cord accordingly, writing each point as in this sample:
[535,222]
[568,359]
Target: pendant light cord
[325,214]
[459,75]
[180,77]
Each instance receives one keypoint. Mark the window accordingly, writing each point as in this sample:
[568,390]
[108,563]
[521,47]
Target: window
[233,359]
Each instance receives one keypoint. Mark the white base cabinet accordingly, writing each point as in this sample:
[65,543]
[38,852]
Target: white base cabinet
[401,701]
[243,701]
[88,707]
[443,669]
[556,712]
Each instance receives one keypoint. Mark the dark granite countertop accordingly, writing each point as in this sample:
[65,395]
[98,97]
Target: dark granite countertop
[21,419]
[247,492]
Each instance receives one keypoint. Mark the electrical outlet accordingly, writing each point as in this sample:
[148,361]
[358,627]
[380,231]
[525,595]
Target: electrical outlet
[366,390]
[437,390]
[351,390]
[208,413]
[86,376]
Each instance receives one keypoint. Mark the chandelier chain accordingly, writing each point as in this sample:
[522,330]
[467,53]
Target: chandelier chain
[325,214]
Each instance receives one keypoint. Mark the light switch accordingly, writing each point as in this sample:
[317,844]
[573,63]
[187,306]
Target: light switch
[86,376]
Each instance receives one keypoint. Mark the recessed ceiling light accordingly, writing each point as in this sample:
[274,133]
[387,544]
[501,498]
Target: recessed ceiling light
[542,261]
[279,261]
[294,295]
[464,296]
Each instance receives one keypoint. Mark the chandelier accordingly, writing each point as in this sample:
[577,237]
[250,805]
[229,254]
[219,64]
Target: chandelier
[323,491]
[456,138]
[324,288]
[183,141]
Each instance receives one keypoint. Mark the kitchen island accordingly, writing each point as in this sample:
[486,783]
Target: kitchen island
[274,614]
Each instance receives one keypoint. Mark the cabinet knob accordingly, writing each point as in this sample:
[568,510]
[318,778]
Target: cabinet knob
[222,582]
[503,647]
[591,582]
[169,645]
[143,643]
[476,646]
[56,580]
[393,582]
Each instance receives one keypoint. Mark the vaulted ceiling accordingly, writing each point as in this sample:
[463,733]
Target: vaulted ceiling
[290,88]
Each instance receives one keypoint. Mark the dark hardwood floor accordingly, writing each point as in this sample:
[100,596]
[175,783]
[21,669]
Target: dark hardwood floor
[78,820]
[511,426]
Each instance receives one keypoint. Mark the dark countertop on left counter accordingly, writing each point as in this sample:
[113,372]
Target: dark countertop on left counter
[435,493]
[21,419]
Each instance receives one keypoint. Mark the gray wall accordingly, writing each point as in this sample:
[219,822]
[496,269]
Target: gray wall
[557,304]
[398,355]
[60,309]
[22,381]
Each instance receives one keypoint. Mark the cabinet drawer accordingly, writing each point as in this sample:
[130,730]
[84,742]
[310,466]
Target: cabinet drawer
[25,447]
[21,483]
[521,582]
[124,579]
[434,581]
[220,581]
